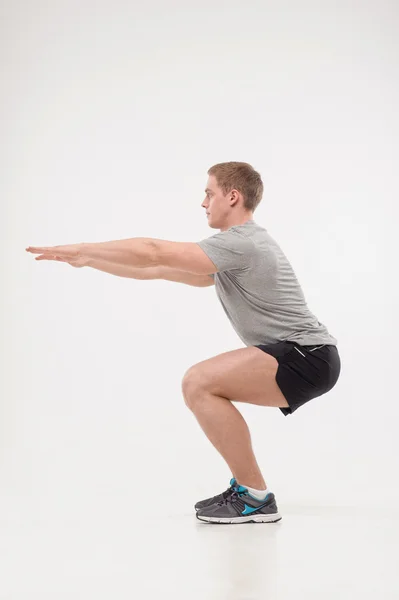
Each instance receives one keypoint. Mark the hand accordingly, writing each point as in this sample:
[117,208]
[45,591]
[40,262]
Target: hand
[71,254]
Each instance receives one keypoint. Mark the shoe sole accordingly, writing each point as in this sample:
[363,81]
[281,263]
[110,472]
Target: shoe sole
[254,519]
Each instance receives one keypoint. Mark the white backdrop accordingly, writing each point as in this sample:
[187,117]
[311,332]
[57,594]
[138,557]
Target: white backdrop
[111,115]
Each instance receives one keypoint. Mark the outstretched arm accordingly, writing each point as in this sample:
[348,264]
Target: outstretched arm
[136,252]
[146,252]
[150,273]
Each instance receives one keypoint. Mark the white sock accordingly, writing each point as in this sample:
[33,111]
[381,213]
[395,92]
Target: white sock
[258,494]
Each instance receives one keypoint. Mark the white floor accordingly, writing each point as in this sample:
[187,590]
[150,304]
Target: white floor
[312,553]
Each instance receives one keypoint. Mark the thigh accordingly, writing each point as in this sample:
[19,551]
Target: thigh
[243,375]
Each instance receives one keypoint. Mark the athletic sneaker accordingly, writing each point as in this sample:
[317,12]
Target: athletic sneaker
[218,498]
[240,507]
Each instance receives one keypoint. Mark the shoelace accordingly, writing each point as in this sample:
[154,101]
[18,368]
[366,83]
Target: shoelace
[228,492]
[232,497]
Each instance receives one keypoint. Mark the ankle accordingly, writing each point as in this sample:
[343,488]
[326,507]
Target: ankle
[254,484]
[258,494]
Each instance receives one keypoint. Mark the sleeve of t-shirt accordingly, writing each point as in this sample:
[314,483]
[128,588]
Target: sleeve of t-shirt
[228,250]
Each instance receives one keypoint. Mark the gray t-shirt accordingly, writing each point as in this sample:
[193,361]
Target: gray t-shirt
[258,288]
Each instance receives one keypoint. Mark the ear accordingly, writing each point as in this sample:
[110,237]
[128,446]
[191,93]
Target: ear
[234,197]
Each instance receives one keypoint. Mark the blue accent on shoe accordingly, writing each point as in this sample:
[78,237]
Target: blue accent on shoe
[243,490]
[233,481]
[250,509]
[257,499]
[240,489]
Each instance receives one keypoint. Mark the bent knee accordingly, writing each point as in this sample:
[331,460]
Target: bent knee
[193,383]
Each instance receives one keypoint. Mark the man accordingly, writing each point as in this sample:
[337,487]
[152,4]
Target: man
[289,357]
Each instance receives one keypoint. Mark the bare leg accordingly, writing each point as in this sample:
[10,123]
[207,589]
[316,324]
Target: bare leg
[227,430]
[209,388]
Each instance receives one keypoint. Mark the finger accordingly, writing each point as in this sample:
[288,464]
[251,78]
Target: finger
[35,250]
[60,252]
[50,257]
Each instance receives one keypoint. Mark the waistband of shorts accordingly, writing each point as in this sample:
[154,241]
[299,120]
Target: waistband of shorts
[313,347]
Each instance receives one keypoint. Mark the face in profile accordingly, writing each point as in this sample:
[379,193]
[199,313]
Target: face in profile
[216,204]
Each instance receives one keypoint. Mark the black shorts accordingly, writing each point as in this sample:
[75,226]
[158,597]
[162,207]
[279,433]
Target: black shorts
[304,372]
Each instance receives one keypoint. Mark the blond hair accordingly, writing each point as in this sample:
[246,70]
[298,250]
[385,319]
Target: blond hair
[242,177]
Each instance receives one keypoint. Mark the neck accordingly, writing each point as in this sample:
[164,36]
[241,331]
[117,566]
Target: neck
[237,221]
